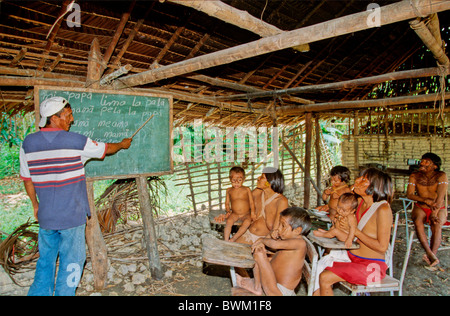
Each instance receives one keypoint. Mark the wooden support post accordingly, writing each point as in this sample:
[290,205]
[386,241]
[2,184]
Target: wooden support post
[308,143]
[356,142]
[191,187]
[318,155]
[275,145]
[301,167]
[96,243]
[149,229]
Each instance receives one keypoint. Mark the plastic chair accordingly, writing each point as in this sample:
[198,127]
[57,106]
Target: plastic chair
[389,283]
[310,266]
[408,206]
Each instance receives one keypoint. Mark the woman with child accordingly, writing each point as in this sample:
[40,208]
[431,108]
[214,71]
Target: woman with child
[269,203]
[374,217]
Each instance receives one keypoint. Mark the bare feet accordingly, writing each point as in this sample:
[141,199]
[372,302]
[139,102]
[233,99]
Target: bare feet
[433,261]
[248,284]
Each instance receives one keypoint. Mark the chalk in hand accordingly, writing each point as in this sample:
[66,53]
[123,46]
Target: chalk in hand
[134,134]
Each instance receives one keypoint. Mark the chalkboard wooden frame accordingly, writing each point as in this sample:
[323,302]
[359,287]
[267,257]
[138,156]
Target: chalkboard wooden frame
[169,98]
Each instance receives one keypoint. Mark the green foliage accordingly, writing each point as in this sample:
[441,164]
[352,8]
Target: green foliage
[13,130]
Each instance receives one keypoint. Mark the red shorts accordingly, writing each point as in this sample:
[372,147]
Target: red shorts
[428,214]
[360,270]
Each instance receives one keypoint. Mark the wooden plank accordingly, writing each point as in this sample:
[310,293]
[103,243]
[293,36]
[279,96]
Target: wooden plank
[308,143]
[96,243]
[227,253]
[149,229]
[290,110]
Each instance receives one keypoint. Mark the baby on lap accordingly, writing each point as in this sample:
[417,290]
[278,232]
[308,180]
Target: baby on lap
[345,211]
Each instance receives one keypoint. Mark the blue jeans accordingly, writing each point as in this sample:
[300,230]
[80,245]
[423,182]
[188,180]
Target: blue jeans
[70,245]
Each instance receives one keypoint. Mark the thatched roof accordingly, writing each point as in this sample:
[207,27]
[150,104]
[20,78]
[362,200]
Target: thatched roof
[170,47]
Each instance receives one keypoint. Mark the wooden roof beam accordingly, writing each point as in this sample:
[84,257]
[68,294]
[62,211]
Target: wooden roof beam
[398,75]
[358,104]
[54,31]
[239,18]
[18,58]
[389,14]
[433,44]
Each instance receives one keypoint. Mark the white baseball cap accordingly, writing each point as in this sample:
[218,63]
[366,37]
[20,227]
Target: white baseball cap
[50,107]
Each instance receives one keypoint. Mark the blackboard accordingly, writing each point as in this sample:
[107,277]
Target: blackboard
[109,116]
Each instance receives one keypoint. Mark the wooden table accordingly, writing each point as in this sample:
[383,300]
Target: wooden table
[227,253]
[330,243]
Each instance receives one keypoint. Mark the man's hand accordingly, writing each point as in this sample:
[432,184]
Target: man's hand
[126,143]
[112,148]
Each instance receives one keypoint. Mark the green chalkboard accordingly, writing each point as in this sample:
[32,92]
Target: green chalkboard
[110,116]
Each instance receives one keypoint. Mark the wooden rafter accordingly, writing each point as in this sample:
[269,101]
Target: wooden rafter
[118,33]
[242,19]
[352,23]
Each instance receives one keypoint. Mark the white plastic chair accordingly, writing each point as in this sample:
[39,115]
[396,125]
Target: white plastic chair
[408,206]
[389,283]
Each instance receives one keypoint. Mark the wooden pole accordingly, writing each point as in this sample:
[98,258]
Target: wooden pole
[96,243]
[397,75]
[358,104]
[433,44]
[308,143]
[149,229]
[301,167]
[356,142]
[240,18]
[389,14]
[318,155]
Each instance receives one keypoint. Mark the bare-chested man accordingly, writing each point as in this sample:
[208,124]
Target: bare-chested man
[269,202]
[428,187]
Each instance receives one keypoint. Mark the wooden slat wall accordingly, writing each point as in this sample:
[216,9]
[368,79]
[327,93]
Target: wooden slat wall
[208,181]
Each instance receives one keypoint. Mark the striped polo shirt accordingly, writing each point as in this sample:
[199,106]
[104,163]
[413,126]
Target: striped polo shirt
[53,160]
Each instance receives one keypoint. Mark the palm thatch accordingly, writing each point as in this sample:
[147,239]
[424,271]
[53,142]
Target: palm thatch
[120,201]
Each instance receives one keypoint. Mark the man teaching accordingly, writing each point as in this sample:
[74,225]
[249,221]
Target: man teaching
[428,187]
[52,168]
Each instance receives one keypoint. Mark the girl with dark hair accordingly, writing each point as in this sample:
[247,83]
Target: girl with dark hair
[374,216]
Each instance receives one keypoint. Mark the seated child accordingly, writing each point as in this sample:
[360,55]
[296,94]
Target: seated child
[238,204]
[346,209]
[280,274]
[340,176]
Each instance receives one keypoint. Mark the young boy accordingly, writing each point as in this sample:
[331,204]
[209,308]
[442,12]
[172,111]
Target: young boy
[340,176]
[238,204]
[346,209]
[280,274]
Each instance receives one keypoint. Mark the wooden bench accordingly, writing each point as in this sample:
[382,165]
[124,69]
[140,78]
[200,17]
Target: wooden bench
[227,253]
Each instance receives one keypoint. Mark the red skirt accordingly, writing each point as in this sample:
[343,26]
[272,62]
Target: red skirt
[360,270]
